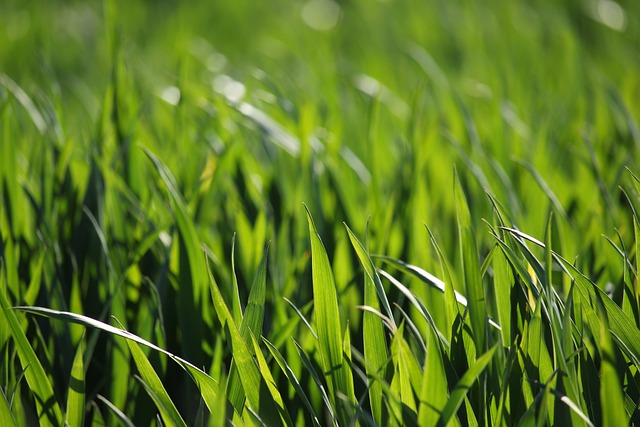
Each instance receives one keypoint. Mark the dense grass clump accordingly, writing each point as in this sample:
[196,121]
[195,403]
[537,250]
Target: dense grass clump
[319,212]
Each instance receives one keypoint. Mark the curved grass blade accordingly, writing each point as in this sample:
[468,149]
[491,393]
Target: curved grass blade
[207,385]
[154,387]
[49,412]
[327,313]
[120,416]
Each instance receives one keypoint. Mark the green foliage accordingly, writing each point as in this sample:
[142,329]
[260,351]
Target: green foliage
[483,158]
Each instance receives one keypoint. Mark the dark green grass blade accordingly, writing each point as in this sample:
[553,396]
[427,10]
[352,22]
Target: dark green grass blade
[192,292]
[293,380]
[464,384]
[375,345]
[76,394]
[328,325]
[471,269]
[49,412]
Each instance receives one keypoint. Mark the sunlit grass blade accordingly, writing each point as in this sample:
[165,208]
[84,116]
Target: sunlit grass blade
[251,323]
[375,345]
[459,392]
[434,391]
[154,387]
[6,417]
[207,385]
[76,393]
[611,391]
[258,398]
[120,416]
[49,412]
[328,325]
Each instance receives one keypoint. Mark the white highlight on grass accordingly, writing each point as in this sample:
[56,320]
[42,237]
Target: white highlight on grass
[231,89]
[609,13]
[171,95]
[321,15]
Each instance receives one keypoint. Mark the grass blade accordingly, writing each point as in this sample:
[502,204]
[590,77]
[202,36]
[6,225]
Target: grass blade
[327,315]
[471,269]
[154,387]
[76,396]
[375,345]
[49,413]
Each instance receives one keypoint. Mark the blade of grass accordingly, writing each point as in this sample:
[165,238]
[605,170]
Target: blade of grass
[471,269]
[250,324]
[154,387]
[6,417]
[327,316]
[76,397]
[375,345]
[258,398]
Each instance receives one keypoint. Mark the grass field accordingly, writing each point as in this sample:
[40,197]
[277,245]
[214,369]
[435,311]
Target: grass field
[399,212]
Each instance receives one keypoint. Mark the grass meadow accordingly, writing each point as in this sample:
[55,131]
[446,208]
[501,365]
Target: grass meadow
[319,212]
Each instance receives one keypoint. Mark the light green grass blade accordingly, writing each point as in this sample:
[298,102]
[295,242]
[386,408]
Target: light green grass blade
[459,392]
[76,395]
[328,325]
[471,269]
[154,387]
[611,391]
[434,391]
[207,385]
[251,324]
[49,413]
[258,399]
[375,345]
[6,417]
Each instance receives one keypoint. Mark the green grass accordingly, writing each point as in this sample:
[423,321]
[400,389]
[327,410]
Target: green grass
[212,213]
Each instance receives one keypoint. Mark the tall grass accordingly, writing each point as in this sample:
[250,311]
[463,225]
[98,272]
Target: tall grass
[425,214]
